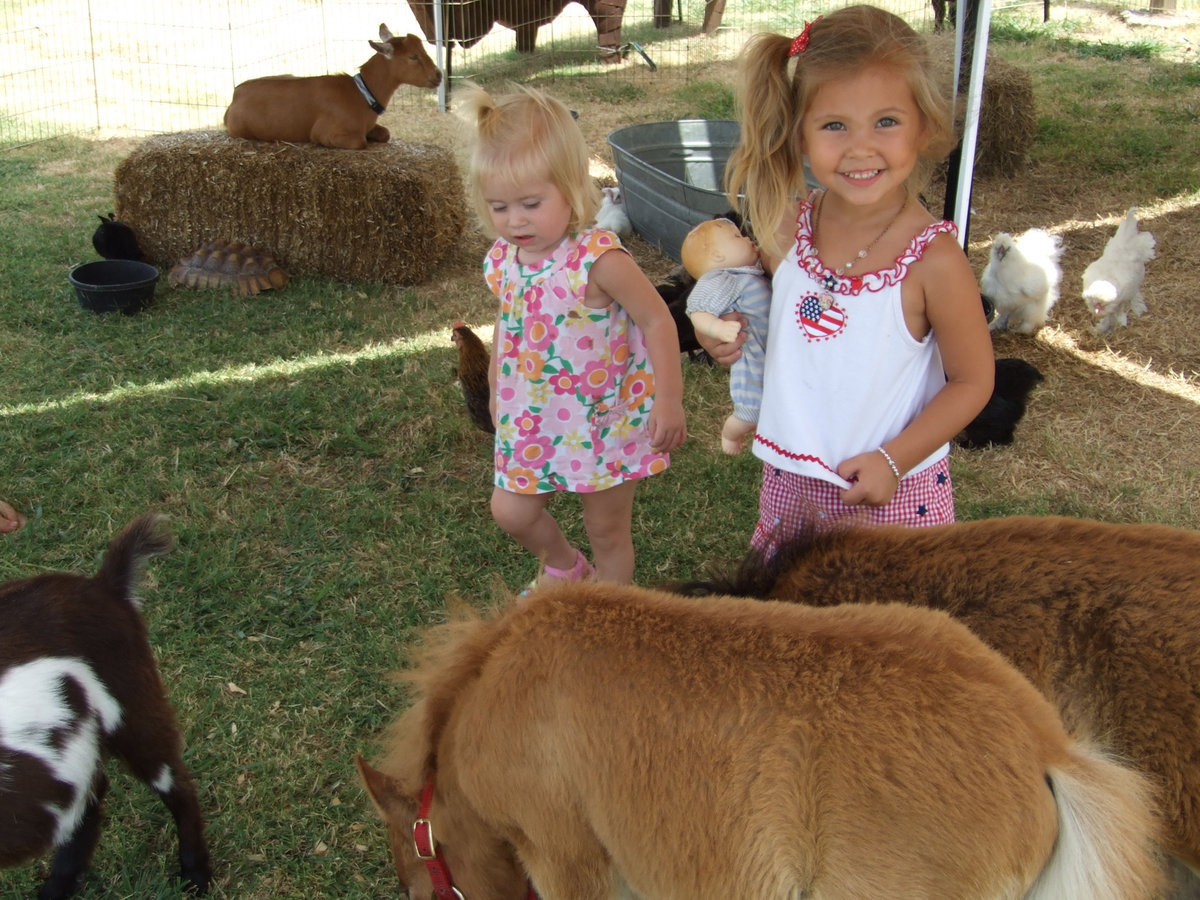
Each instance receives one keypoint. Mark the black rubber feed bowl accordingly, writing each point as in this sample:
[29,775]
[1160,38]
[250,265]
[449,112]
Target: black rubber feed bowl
[114,284]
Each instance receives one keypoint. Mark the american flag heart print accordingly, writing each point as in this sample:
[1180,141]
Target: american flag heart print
[817,322]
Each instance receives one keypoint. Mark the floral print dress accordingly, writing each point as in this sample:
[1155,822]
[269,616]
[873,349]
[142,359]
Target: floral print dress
[574,384]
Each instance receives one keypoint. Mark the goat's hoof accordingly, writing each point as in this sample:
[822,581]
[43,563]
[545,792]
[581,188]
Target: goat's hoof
[195,883]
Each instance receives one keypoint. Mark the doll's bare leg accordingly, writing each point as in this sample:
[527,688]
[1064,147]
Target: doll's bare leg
[733,434]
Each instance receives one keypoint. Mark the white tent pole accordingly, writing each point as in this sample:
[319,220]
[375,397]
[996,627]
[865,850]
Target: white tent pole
[966,163]
[439,41]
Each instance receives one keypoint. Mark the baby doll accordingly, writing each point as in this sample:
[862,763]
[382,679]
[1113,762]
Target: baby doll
[729,278]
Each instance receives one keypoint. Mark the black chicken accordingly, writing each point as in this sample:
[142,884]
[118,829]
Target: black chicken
[674,290]
[997,421]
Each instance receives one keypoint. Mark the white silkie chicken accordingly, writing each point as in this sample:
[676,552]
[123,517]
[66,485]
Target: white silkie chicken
[1022,278]
[1112,285]
[612,215]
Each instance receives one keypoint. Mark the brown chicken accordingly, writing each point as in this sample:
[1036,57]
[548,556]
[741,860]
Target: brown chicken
[472,373]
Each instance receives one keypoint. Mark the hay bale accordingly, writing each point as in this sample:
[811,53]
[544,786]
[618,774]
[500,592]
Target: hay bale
[1007,116]
[388,213]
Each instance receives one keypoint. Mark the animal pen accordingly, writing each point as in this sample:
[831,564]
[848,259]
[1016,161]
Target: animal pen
[132,67]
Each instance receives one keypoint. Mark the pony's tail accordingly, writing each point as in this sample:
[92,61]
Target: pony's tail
[1107,833]
[755,576]
[759,573]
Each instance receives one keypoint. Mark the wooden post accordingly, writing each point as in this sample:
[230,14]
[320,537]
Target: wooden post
[713,11]
[662,13]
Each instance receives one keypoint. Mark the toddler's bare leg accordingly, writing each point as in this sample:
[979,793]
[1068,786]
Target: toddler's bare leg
[608,518]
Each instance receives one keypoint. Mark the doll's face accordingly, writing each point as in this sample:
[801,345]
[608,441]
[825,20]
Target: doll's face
[729,247]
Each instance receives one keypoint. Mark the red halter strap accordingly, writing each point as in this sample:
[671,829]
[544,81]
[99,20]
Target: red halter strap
[428,851]
[430,854]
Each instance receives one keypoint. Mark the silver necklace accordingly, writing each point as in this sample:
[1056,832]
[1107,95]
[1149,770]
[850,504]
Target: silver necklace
[862,254]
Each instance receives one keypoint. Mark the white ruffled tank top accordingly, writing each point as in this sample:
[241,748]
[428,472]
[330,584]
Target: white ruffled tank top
[843,374]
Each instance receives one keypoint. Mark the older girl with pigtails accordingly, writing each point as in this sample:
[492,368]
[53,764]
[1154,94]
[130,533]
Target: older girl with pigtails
[878,351]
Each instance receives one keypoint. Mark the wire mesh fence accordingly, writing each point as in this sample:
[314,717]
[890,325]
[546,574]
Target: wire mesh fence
[150,66]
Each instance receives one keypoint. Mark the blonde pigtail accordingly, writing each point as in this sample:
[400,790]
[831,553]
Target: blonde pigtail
[472,106]
[761,174]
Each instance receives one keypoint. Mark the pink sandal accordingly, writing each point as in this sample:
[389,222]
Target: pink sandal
[581,571]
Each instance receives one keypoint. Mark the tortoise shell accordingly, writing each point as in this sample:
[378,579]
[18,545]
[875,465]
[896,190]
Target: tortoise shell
[233,264]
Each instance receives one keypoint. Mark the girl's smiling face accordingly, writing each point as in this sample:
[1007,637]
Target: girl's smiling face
[863,134]
[532,214]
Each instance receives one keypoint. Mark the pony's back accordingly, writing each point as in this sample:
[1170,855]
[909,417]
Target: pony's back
[726,747]
[1103,618]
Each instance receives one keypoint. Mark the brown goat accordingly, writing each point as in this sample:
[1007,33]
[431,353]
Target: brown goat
[340,111]
[1103,618]
[78,681]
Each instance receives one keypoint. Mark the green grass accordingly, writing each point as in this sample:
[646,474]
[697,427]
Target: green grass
[1061,38]
[328,493]
[1127,108]
[706,100]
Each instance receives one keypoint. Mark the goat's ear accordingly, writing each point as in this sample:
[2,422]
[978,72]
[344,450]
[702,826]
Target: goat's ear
[383,48]
[390,799]
[384,34]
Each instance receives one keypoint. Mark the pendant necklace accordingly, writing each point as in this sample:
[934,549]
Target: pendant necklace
[840,271]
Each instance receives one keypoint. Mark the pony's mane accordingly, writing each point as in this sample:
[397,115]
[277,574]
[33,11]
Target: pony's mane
[444,659]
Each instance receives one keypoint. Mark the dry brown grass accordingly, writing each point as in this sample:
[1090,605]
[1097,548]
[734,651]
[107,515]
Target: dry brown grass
[1113,428]
[1111,431]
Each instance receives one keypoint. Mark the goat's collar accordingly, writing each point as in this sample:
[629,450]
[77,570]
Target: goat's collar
[430,853]
[375,105]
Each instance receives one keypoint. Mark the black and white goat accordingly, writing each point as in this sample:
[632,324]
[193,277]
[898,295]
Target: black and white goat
[78,682]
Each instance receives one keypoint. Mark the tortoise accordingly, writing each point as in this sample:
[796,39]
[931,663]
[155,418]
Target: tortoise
[223,263]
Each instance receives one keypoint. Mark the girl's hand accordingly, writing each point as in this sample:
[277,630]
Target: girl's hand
[872,480]
[10,519]
[668,427]
[726,353]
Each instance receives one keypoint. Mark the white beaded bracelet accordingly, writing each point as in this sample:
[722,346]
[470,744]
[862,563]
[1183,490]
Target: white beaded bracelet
[891,463]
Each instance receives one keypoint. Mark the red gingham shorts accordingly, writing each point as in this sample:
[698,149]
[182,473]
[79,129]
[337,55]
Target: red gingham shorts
[789,503]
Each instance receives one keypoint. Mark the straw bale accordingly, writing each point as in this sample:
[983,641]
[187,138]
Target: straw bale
[1007,115]
[388,213]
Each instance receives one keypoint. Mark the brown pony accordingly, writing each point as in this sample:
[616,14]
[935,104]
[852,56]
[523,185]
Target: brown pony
[1103,618]
[596,741]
